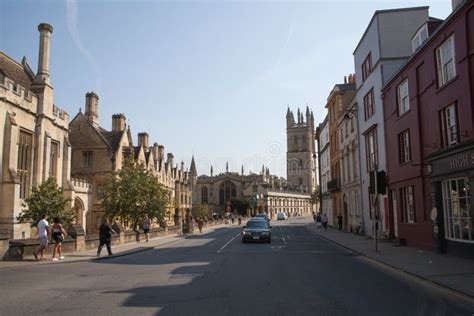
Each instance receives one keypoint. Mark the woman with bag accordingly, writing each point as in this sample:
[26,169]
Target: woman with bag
[58,234]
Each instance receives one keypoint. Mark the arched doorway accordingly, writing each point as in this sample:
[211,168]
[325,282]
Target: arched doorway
[79,211]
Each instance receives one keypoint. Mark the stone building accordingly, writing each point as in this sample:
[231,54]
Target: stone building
[322,136]
[274,194]
[34,142]
[97,152]
[337,103]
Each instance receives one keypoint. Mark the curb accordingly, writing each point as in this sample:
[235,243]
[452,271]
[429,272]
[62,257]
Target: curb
[465,296]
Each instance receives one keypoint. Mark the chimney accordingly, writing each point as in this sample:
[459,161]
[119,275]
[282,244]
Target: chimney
[43,56]
[169,159]
[155,150]
[161,152]
[143,140]
[118,122]
[456,3]
[92,108]
[345,79]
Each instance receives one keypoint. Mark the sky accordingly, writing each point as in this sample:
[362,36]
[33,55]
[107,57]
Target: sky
[211,79]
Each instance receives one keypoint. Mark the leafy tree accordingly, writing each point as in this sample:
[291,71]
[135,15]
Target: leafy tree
[201,211]
[47,198]
[315,198]
[240,205]
[132,192]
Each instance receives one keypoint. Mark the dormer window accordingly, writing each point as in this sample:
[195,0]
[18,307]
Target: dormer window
[420,37]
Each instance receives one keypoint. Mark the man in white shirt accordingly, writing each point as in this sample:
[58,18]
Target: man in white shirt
[43,231]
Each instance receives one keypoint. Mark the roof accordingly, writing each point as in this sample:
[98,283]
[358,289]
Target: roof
[386,11]
[19,73]
[432,36]
[112,138]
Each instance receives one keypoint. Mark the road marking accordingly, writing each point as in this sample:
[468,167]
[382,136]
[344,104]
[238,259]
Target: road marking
[219,251]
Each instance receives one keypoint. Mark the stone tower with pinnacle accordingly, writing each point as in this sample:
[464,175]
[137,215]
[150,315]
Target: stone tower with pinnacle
[301,153]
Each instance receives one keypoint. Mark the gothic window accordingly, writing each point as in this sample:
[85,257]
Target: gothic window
[227,191]
[300,180]
[25,149]
[53,159]
[204,195]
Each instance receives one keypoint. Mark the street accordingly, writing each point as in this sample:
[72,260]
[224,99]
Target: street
[299,273]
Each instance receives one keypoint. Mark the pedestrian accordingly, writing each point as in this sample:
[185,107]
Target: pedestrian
[105,235]
[325,221]
[240,220]
[318,221]
[57,234]
[146,227]
[200,224]
[232,219]
[43,231]
[339,221]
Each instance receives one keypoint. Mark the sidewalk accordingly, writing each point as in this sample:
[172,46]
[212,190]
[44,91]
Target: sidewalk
[118,251]
[445,270]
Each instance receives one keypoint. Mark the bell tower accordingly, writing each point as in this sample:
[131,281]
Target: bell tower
[300,170]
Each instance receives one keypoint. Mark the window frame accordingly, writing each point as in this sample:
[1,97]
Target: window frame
[366,67]
[404,147]
[441,64]
[447,139]
[418,39]
[25,161]
[369,160]
[453,220]
[53,159]
[369,106]
[403,107]
[87,159]
[407,205]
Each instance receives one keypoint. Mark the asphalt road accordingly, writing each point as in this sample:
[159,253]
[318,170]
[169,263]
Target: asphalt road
[215,274]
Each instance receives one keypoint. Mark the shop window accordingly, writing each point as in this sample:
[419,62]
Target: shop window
[408,204]
[458,215]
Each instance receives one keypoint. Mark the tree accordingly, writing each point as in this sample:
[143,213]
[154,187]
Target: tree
[47,198]
[132,192]
[240,205]
[201,211]
[315,198]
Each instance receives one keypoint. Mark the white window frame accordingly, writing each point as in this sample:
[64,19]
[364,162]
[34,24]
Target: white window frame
[449,125]
[408,204]
[403,99]
[420,37]
[445,61]
[405,147]
[457,220]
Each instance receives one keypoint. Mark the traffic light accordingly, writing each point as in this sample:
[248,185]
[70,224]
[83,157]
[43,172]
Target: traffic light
[381,182]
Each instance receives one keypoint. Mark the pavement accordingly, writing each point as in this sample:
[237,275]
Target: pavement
[118,250]
[444,270]
[299,273]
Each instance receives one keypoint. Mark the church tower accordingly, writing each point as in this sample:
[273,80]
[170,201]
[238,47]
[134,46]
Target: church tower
[300,155]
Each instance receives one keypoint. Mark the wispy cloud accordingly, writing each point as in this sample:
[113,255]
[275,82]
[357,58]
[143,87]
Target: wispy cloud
[71,13]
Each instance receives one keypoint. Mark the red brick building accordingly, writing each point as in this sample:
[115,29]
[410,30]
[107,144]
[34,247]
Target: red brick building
[429,115]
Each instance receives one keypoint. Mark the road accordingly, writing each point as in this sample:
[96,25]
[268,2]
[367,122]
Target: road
[215,274]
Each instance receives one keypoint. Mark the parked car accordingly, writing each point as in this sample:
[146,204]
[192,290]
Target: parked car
[281,216]
[257,230]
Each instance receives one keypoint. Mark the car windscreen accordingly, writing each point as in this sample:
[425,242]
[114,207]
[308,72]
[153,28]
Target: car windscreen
[262,216]
[256,224]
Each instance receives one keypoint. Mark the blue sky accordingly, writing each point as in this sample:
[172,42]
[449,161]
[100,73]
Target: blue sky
[209,78]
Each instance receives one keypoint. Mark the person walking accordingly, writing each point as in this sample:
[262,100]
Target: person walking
[105,235]
[146,227]
[325,221]
[43,231]
[57,234]
[200,224]
[339,221]
[318,221]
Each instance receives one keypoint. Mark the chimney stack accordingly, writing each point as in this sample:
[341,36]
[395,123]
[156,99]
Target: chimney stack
[43,55]
[169,160]
[118,122]
[161,152]
[155,151]
[143,140]
[92,108]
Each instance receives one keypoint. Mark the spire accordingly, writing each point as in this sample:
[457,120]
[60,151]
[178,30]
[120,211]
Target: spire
[263,169]
[299,116]
[290,119]
[212,171]
[242,170]
[288,113]
[226,166]
[129,135]
[193,167]
[307,111]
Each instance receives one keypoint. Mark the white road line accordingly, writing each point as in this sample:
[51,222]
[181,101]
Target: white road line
[219,251]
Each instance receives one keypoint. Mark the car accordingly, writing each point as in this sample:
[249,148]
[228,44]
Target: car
[257,230]
[264,216]
[281,216]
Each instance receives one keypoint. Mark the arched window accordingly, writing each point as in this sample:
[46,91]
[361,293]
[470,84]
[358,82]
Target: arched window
[300,181]
[204,195]
[227,191]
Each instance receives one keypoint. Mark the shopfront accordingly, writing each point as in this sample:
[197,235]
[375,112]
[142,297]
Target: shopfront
[452,175]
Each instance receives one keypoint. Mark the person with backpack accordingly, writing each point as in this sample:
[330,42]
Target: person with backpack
[146,227]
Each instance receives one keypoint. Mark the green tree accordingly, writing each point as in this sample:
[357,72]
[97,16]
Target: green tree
[315,198]
[241,206]
[47,198]
[201,211]
[132,192]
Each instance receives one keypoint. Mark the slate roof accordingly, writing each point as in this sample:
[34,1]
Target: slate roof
[19,73]
[112,138]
